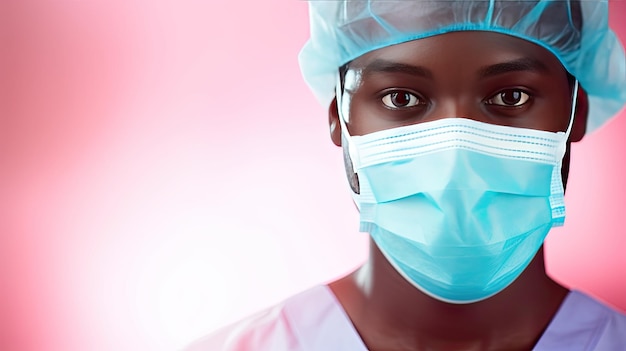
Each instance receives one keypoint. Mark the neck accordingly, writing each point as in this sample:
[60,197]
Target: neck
[391,314]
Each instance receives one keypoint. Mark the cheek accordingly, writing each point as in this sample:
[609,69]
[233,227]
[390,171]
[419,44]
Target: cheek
[555,113]
[362,119]
[562,104]
[366,116]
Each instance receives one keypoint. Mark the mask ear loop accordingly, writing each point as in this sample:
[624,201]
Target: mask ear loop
[345,134]
[339,96]
[573,114]
[563,146]
[351,156]
[556,201]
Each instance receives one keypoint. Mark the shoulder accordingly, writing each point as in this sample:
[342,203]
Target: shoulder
[592,311]
[609,326]
[584,323]
[283,327]
[261,331]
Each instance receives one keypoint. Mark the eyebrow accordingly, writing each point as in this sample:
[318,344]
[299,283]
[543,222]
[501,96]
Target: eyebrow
[384,66]
[519,65]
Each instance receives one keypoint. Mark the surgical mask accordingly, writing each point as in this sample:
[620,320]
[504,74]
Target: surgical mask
[459,207]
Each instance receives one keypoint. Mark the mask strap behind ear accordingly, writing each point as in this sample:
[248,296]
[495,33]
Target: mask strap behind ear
[574,104]
[345,134]
[339,97]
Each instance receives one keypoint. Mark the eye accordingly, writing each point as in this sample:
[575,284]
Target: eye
[509,98]
[400,99]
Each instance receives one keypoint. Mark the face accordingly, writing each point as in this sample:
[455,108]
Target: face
[485,76]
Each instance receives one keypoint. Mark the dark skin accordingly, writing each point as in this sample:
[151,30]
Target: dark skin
[488,77]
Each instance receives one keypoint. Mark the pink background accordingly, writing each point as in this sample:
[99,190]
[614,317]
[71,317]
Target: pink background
[164,171]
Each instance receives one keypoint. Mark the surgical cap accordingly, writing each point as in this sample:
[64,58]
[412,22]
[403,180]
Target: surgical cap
[575,31]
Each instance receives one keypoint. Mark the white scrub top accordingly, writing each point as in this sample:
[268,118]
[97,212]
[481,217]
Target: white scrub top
[315,321]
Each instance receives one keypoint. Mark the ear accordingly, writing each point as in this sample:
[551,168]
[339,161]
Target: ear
[333,122]
[580,116]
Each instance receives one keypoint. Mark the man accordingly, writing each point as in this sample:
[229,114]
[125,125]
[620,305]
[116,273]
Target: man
[456,119]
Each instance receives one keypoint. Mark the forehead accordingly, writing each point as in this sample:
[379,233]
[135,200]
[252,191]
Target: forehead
[461,52]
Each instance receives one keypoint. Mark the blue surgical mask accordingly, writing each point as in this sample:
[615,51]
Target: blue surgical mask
[459,207]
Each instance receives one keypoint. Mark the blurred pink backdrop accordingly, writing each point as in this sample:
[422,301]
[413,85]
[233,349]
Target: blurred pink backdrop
[165,171]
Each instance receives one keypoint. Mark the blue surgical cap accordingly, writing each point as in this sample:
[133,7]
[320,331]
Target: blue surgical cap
[575,31]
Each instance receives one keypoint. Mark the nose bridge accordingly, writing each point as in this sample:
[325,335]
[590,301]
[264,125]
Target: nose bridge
[457,106]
